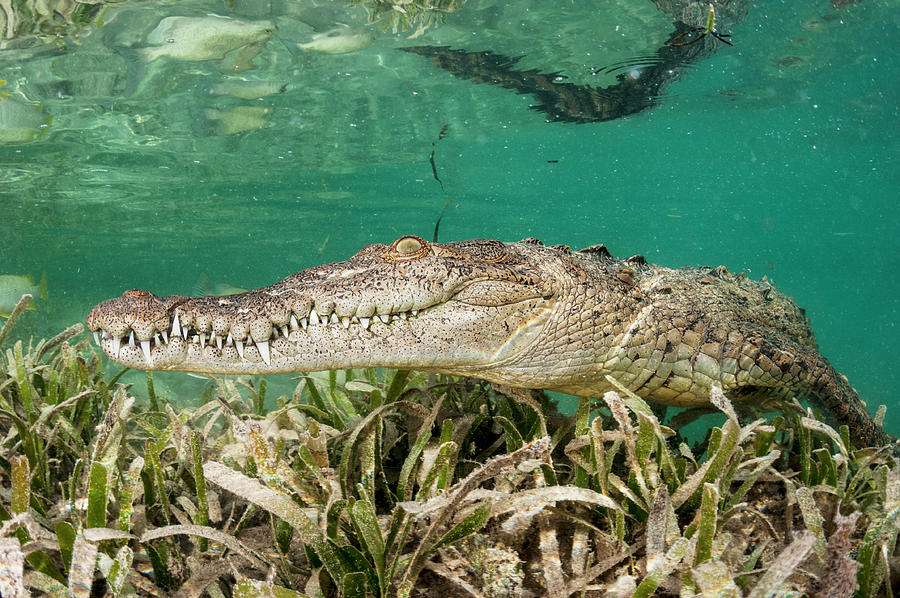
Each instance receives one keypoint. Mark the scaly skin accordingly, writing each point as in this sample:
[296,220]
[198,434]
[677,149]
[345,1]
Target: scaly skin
[519,314]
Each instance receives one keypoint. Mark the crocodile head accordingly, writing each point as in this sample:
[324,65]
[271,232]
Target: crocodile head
[456,307]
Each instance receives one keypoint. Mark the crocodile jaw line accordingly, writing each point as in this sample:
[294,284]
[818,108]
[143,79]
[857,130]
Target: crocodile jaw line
[317,342]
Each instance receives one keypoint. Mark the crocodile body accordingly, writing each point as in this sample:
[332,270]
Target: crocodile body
[520,314]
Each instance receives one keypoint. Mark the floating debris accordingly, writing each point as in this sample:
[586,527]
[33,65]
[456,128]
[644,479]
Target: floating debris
[437,224]
[787,61]
[697,33]
[324,243]
[13,286]
[441,135]
[20,121]
[812,24]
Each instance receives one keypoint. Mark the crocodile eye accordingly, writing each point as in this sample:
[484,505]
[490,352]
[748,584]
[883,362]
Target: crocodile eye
[407,245]
[406,248]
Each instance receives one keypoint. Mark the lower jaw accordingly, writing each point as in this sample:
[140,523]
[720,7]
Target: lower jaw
[301,351]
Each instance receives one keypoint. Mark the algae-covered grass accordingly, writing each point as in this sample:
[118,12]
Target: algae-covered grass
[395,483]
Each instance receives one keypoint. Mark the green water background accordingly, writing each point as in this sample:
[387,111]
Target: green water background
[780,167]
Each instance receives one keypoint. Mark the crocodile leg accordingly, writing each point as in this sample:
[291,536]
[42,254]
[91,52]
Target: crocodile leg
[777,361]
[752,364]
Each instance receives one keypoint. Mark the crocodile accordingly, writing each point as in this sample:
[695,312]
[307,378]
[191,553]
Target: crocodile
[524,315]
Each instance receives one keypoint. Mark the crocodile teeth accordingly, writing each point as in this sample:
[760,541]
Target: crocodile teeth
[345,321]
[97,337]
[286,331]
[240,348]
[176,326]
[131,339]
[263,347]
[219,342]
[145,347]
[415,312]
[313,317]
[402,315]
[202,339]
[294,324]
[165,336]
[117,344]
[386,318]
[365,322]
[334,318]
[304,323]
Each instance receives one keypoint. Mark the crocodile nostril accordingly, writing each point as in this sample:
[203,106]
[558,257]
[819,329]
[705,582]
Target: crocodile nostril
[136,294]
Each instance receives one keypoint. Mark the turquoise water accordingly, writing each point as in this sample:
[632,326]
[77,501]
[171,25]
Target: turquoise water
[777,156]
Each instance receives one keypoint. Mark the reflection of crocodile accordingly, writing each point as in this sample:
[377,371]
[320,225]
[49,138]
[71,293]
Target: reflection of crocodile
[636,90]
[519,314]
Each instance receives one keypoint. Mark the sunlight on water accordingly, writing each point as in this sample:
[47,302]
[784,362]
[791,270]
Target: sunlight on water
[158,145]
